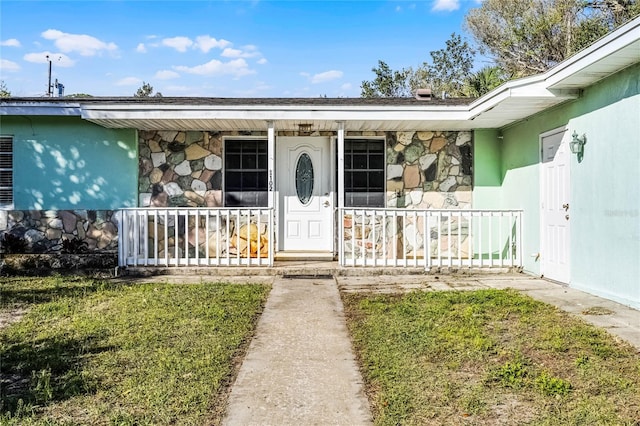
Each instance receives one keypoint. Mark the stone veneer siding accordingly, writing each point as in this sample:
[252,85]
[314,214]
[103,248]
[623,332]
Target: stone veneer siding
[44,230]
[429,170]
[424,169]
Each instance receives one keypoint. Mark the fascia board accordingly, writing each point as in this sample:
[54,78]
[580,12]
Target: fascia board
[273,114]
[606,46]
[45,109]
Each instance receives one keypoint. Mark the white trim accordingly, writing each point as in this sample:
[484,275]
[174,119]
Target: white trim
[340,187]
[37,108]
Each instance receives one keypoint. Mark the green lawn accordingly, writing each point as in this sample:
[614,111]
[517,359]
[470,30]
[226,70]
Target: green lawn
[95,352]
[489,357]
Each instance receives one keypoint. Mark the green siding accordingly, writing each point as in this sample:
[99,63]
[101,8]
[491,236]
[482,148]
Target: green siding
[605,185]
[65,163]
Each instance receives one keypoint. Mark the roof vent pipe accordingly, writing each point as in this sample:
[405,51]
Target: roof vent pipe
[423,94]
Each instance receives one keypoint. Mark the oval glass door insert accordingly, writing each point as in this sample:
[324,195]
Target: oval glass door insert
[304,178]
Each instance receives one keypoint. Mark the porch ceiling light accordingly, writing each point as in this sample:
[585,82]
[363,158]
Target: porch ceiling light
[577,143]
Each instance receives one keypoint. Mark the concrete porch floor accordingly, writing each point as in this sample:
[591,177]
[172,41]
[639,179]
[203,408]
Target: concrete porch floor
[301,268]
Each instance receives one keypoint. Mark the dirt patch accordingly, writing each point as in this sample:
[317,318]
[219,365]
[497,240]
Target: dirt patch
[597,310]
[10,316]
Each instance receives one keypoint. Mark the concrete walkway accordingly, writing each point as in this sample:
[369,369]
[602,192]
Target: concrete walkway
[300,368]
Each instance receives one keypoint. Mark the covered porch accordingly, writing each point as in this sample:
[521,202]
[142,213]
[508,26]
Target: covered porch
[370,184]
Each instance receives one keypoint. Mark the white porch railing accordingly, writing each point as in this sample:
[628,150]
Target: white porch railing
[430,238]
[195,237]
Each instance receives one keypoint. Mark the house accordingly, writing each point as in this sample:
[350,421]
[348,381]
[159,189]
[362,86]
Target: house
[542,173]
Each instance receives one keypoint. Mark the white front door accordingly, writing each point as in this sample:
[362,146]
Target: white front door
[555,198]
[305,197]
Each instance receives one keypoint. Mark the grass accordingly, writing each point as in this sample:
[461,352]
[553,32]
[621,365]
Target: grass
[489,357]
[94,352]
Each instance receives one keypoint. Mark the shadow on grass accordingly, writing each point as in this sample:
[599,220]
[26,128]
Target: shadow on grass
[33,291]
[36,371]
[46,370]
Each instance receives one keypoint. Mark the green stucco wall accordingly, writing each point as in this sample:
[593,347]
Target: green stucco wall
[487,169]
[605,185]
[65,163]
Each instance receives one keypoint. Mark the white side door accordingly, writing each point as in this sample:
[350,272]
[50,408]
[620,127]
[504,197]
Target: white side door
[555,198]
[305,206]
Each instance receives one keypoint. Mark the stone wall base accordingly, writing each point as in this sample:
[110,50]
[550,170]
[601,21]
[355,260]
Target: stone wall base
[58,231]
[95,264]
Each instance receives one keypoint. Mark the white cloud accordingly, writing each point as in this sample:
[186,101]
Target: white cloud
[231,53]
[262,61]
[326,76]
[84,44]
[59,59]
[259,88]
[128,81]
[248,52]
[166,75]
[346,86]
[6,65]
[206,43]
[446,5]
[141,48]
[236,68]
[181,44]
[12,42]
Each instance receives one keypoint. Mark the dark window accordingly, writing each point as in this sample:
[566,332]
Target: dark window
[364,184]
[304,178]
[6,171]
[245,173]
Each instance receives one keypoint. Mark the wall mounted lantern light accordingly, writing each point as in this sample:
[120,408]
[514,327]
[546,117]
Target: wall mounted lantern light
[577,143]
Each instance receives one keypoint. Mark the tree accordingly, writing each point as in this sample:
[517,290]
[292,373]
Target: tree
[4,91]
[79,95]
[530,36]
[448,71]
[484,81]
[450,67]
[146,91]
[387,83]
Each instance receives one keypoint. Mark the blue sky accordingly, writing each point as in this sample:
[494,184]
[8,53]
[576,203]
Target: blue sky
[218,48]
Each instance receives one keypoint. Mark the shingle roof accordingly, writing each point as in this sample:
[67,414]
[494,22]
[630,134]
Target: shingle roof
[248,101]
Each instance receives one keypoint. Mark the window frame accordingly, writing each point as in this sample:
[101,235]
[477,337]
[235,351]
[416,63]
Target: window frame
[11,187]
[225,169]
[380,139]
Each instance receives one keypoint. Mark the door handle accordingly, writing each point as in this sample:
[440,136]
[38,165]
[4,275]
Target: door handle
[565,207]
[326,204]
